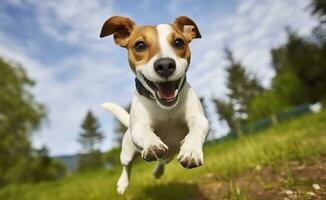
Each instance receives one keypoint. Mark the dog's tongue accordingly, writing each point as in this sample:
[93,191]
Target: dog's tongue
[167,90]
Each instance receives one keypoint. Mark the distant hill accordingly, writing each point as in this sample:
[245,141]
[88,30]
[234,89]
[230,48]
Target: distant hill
[71,161]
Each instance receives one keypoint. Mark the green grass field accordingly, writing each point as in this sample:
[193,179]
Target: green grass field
[297,140]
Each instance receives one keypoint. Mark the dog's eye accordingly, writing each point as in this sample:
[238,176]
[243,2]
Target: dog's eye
[178,43]
[140,46]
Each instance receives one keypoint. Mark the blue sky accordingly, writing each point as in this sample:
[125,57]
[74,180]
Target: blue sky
[58,42]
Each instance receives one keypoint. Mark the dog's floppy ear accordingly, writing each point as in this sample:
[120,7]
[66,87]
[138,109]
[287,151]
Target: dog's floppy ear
[120,27]
[187,27]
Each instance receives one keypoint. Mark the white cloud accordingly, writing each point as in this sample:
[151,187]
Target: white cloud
[76,22]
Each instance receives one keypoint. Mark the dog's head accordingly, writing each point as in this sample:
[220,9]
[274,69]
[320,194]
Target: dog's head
[158,55]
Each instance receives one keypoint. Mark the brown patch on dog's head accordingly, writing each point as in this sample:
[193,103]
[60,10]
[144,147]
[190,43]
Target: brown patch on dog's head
[181,51]
[147,35]
[127,34]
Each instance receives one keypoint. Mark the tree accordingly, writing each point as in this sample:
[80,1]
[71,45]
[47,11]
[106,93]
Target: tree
[319,9]
[226,112]
[300,69]
[242,88]
[266,105]
[89,138]
[20,116]
[43,167]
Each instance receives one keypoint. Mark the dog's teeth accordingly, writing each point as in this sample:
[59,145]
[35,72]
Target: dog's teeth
[176,92]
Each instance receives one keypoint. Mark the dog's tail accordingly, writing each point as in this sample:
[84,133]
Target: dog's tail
[118,111]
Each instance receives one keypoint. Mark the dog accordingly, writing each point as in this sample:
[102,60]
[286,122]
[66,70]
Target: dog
[166,116]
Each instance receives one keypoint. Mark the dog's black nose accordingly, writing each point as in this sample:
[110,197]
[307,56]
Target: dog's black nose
[164,67]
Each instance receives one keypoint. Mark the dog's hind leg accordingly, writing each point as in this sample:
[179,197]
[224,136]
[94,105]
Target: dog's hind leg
[128,153]
[159,169]
[123,181]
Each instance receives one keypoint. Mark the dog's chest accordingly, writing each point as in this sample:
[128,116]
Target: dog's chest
[171,130]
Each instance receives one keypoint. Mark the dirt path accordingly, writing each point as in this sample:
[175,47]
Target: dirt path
[293,180]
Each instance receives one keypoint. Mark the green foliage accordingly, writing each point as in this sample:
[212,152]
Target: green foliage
[299,139]
[20,115]
[319,8]
[90,161]
[89,138]
[91,135]
[242,89]
[226,112]
[265,105]
[113,156]
[42,167]
[301,70]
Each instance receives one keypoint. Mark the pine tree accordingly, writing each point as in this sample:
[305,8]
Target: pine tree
[90,138]
[242,88]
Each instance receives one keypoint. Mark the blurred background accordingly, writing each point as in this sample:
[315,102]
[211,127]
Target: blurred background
[259,66]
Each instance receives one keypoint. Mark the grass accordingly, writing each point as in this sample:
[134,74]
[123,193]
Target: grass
[295,140]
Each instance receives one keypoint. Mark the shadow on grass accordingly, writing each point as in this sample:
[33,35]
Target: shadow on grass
[173,190]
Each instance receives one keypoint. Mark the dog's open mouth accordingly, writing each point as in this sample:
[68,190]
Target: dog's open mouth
[165,92]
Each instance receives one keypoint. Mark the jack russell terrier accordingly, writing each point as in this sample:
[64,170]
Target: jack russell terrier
[166,115]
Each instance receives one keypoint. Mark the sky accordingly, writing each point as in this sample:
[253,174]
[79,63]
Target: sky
[58,43]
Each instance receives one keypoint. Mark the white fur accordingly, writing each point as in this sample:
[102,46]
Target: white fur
[181,129]
[164,31]
[171,127]
[118,111]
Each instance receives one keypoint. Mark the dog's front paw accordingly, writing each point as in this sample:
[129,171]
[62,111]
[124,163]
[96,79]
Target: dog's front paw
[154,152]
[190,157]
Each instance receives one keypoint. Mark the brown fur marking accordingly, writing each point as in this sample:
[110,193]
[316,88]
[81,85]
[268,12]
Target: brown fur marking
[184,52]
[148,35]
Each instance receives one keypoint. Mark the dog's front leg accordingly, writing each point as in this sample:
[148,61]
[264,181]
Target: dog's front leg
[191,151]
[152,148]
